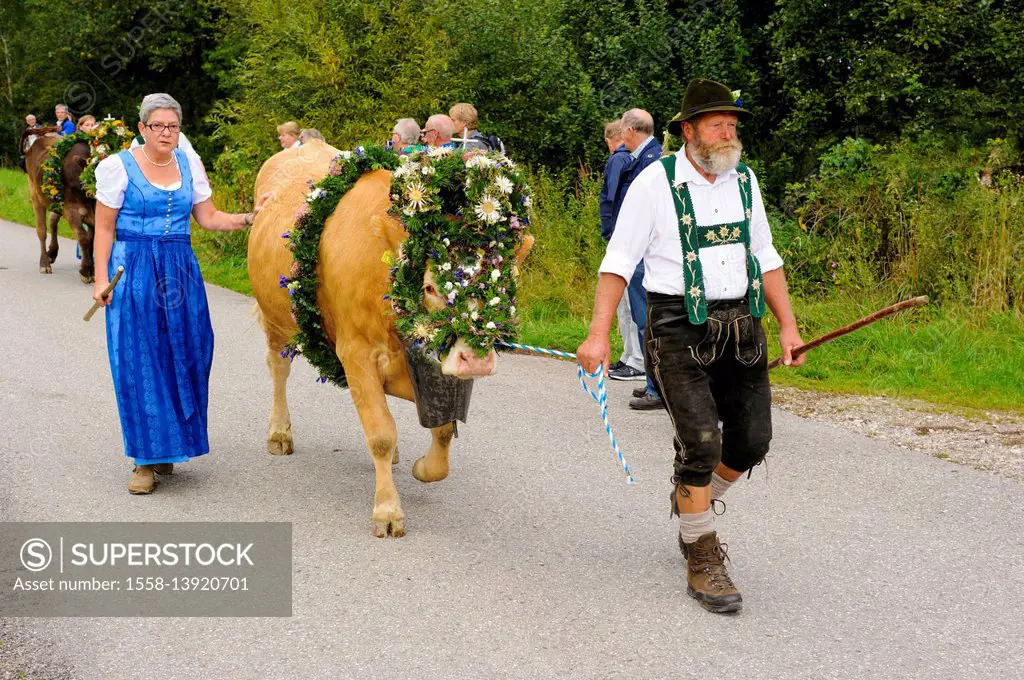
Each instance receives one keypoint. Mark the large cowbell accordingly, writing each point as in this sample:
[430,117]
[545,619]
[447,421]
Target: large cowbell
[440,399]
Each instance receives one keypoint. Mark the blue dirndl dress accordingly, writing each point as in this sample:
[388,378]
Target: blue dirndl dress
[159,336]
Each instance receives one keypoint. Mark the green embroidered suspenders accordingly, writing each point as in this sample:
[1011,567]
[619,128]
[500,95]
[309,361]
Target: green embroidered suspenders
[694,237]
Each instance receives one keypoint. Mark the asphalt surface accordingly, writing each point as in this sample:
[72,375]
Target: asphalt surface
[534,559]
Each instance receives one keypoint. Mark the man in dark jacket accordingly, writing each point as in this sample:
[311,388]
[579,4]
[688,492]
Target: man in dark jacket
[644,149]
[614,169]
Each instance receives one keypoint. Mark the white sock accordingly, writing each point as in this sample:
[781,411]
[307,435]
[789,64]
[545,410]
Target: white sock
[719,485]
[694,525]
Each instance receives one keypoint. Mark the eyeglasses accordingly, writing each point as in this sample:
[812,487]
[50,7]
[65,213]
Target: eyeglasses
[424,133]
[160,127]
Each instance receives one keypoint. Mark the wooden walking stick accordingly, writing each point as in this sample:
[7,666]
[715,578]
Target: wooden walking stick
[106,291]
[866,321]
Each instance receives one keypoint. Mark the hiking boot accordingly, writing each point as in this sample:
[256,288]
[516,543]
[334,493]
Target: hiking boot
[648,402]
[625,372]
[142,481]
[707,580]
[163,468]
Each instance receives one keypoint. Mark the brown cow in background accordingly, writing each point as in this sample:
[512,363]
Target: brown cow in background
[79,209]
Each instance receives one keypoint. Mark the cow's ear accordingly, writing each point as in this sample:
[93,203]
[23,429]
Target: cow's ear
[524,249]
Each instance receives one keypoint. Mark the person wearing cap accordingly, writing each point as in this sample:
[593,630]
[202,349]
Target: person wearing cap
[697,220]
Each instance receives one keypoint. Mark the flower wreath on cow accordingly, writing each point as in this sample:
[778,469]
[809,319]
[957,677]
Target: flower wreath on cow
[464,212]
[106,138]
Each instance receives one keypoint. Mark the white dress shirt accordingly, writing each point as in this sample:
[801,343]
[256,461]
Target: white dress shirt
[647,229]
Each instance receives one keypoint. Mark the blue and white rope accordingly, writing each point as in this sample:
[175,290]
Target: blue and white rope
[601,396]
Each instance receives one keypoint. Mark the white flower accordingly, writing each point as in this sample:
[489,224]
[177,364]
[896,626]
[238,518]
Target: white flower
[490,325]
[474,316]
[479,162]
[101,149]
[492,244]
[346,154]
[313,195]
[503,184]
[439,151]
[527,201]
[446,242]
[416,194]
[402,171]
[512,310]
[119,131]
[487,209]
[494,301]
[508,162]
[448,285]
[495,274]
[427,170]
[447,266]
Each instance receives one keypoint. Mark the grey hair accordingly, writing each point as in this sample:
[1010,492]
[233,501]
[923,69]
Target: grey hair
[308,134]
[61,107]
[156,101]
[638,120]
[408,130]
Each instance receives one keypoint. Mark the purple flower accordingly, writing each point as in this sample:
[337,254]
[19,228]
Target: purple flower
[739,103]
[283,281]
[286,234]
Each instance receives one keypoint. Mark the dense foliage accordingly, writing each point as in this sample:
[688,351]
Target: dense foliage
[874,118]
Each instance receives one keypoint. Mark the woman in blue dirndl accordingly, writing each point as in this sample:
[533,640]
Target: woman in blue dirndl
[159,337]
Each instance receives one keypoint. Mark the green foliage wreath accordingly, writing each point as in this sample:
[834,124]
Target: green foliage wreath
[106,138]
[465,213]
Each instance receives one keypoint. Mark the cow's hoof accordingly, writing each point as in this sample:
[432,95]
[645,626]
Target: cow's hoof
[280,444]
[394,457]
[52,254]
[388,523]
[87,279]
[45,269]
[425,472]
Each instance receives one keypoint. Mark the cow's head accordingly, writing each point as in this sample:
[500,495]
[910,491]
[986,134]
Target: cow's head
[454,278]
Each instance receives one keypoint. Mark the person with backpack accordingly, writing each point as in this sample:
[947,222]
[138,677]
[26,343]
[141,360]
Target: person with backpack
[465,118]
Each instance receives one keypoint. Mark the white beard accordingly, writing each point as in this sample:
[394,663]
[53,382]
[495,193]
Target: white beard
[717,162]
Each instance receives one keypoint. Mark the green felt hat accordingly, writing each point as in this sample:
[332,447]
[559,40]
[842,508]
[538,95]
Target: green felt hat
[703,96]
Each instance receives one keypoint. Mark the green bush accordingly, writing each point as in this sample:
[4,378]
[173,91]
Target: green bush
[926,217]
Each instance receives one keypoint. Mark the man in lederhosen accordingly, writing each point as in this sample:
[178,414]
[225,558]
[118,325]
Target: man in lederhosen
[697,220]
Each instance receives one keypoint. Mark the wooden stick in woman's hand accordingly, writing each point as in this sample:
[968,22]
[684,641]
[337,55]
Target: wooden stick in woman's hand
[860,323]
[106,291]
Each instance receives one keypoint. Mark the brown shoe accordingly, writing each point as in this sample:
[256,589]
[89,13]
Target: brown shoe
[142,481]
[163,468]
[707,580]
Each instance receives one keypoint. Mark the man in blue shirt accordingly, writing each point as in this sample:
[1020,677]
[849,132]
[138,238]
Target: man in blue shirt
[64,122]
[644,149]
[614,169]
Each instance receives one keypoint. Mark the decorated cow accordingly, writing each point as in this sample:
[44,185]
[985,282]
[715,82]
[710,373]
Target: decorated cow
[392,276]
[62,179]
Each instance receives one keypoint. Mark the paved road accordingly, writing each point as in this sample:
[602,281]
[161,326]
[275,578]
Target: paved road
[533,560]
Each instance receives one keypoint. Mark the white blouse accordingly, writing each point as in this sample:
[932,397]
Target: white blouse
[112,181]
